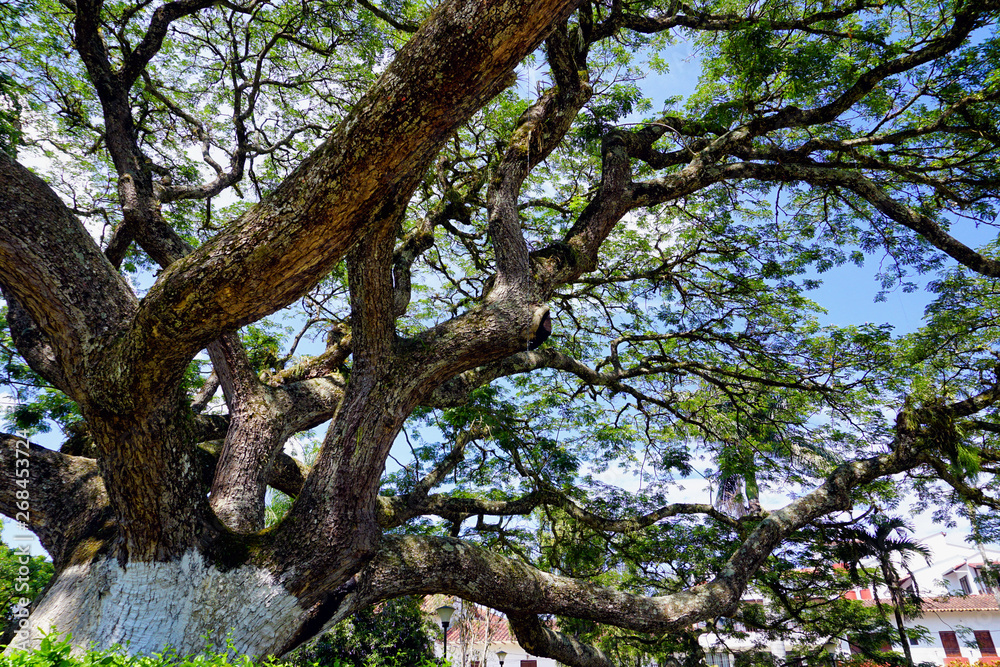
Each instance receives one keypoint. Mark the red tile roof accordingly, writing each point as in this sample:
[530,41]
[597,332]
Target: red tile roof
[474,628]
[474,631]
[951,603]
[962,603]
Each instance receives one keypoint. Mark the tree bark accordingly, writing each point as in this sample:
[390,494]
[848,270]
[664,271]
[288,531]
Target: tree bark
[122,360]
[896,593]
[186,603]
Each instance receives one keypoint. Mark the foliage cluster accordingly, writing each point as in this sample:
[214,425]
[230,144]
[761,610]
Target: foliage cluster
[56,650]
[886,660]
[14,585]
[393,634]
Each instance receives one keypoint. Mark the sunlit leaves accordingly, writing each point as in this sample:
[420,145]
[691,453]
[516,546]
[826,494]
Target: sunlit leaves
[264,342]
[10,112]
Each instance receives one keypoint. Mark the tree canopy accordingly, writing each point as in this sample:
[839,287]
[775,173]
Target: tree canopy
[368,217]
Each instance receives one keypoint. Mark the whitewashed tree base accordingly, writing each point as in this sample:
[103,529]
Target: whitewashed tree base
[185,604]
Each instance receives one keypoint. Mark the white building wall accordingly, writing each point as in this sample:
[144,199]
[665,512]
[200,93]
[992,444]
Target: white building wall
[932,650]
[951,559]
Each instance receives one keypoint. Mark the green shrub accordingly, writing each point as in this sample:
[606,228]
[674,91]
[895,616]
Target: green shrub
[392,634]
[22,578]
[55,651]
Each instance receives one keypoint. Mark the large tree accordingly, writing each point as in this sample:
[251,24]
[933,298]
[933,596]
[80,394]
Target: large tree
[374,168]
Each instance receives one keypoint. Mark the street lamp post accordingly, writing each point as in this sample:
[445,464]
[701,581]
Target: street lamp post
[444,613]
[501,655]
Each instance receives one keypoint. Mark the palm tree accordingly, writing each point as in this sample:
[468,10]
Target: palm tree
[858,544]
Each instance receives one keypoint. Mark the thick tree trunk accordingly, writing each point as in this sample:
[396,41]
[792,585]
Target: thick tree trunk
[185,604]
[123,359]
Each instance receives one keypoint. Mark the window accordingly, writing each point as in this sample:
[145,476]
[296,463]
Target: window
[949,640]
[529,663]
[717,659]
[964,583]
[985,641]
[914,641]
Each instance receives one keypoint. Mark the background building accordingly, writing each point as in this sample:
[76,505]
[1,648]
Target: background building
[475,635]
[960,615]
[960,618]
[960,612]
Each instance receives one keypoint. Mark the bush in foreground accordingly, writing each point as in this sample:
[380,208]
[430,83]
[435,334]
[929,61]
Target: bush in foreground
[55,651]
